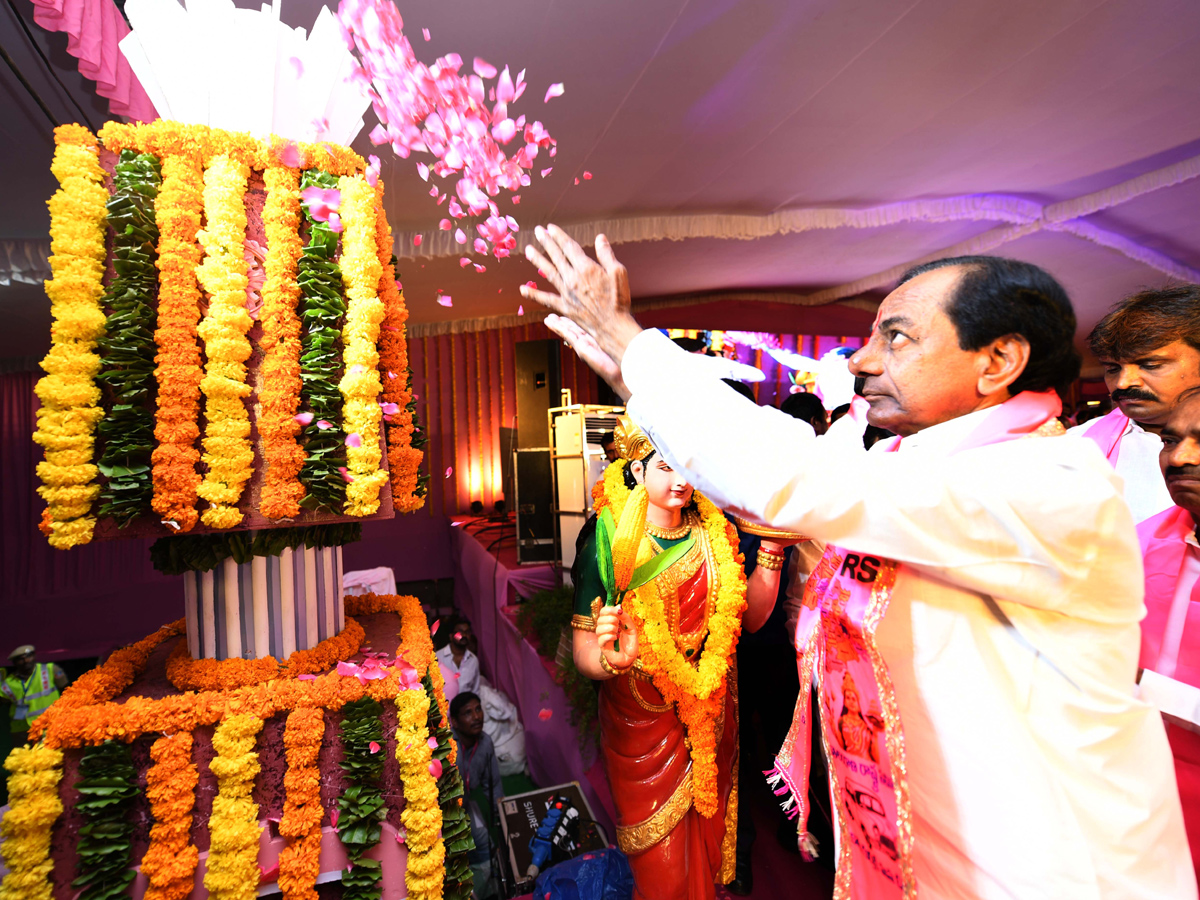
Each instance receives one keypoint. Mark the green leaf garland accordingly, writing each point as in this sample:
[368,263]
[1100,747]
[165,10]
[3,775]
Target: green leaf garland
[361,807]
[456,826]
[127,430]
[322,307]
[107,788]
[176,554]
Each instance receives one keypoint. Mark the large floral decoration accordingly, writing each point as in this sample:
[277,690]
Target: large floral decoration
[299,861]
[33,809]
[232,865]
[170,860]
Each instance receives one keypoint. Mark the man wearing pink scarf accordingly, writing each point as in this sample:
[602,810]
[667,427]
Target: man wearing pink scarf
[1149,346]
[1170,656]
[972,628]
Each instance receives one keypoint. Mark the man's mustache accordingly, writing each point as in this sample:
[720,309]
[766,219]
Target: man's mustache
[859,383]
[1184,471]
[1131,394]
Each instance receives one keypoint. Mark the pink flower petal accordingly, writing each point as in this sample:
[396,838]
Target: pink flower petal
[289,155]
[373,747]
[449,471]
[306,677]
[576,182]
[435,768]
[479,268]
[516,199]
[346,669]
[464,262]
[483,69]
[444,300]
[304,418]
[433,191]
[432,742]
[521,310]
[532,285]
[587,176]
[389,408]
[353,439]
[416,240]
[545,714]
[391,375]
[357,369]
[459,237]
[333,816]
[335,223]
[425,33]
[445,225]
[324,425]
[505,131]
[555,90]
[546,172]
[480,245]
[346,476]
[436,622]
[423,171]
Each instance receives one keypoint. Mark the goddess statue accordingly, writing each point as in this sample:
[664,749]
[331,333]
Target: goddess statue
[660,593]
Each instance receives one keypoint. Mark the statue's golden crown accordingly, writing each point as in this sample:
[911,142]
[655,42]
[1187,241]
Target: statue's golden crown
[632,443]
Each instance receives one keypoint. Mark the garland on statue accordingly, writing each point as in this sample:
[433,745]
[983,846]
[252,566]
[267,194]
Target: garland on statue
[170,860]
[360,806]
[108,786]
[280,376]
[227,450]
[422,815]
[34,807]
[321,309]
[128,366]
[232,865]
[69,396]
[300,860]
[457,882]
[697,691]
[202,552]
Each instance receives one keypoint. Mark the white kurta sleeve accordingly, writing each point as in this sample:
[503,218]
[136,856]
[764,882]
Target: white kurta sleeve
[1023,520]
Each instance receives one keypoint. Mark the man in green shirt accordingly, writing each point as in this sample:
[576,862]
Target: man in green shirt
[28,688]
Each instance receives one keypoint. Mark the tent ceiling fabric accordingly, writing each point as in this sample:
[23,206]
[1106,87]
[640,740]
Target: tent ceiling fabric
[720,108]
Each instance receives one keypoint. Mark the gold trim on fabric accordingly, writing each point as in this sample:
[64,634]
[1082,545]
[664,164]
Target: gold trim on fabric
[1049,428]
[583,623]
[643,703]
[645,834]
[729,842]
[668,534]
[881,595]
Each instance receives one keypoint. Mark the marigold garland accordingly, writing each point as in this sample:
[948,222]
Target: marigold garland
[299,861]
[279,394]
[190,674]
[178,369]
[228,454]
[69,396]
[360,385]
[698,693]
[170,860]
[404,455]
[34,807]
[232,865]
[422,816]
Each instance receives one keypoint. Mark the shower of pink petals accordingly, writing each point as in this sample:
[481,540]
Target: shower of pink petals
[445,300]
[462,119]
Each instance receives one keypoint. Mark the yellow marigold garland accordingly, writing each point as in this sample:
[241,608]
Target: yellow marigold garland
[280,391]
[70,398]
[33,808]
[299,861]
[422,816]
[404,460]
[170,860]
[233,826]
[360,385]
[697,692]
[228,453]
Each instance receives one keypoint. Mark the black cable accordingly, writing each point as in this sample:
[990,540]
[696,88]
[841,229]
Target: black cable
[46,62]
[54,123]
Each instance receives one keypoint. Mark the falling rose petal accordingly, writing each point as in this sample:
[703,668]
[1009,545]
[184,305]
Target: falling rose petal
[521,310]
[445,225]
[373,747]
[449,471]
[444,300]
[576,182]
[435,768]
[587,176]
[389,408]
[324,425]
[441,199]
[433,191]
[480,268]
[555,90]
[532,285]
[416,240]
[423,171]
[553,152]
[346,476]
[335,223]
[391,375]
[425,33]
[480,245]
[304,418]
[505,131]
[436,622]
[289,155]
[432,742]
[459,236]
[353,439]
[333,816]
[483,68]
[546,172]
[464,262]
[516,199]
[545,714]
[307,677]
[399,837]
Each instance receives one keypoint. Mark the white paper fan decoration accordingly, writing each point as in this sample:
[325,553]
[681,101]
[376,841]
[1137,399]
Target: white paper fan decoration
[210,63]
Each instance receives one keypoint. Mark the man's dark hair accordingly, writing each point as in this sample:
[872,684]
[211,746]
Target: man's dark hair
[1142,323]
[838,412]
[997,296]
[742,388]
[461,700]
[803,406]
[607,438]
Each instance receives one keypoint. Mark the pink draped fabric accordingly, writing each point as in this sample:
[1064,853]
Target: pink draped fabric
[94,29]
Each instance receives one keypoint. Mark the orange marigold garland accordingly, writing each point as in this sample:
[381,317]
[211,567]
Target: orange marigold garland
[70,398]
[176,429]
[404,459]
[280,382]
[170,860]
[299,861]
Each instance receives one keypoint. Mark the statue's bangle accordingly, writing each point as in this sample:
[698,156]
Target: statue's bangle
[610,668]
[770,560]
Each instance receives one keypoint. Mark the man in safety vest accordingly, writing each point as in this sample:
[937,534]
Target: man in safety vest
[28,688]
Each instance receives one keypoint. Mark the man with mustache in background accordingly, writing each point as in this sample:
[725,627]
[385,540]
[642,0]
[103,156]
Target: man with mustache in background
[1170,655]
[1149,346]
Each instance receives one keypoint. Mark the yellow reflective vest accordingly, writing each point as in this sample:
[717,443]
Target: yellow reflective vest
[29,697]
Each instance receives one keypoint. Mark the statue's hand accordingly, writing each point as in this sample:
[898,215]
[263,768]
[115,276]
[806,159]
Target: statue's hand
[614,626]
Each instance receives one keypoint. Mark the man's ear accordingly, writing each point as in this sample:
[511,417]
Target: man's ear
[1002,362]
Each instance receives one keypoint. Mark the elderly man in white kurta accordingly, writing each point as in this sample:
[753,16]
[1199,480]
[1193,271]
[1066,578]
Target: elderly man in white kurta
[974,622]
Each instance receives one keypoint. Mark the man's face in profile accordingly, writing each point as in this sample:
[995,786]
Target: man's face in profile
[1146,388]
[1179,458]
[913,372]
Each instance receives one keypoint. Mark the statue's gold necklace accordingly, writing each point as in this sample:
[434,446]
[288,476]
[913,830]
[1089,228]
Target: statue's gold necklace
[669,534]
